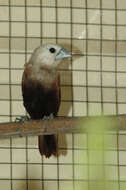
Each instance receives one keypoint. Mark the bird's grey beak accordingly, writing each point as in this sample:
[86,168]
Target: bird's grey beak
[62,54]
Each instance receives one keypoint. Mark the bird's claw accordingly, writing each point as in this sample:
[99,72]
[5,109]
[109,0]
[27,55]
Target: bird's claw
[47,118]
[22,119]
[51,116]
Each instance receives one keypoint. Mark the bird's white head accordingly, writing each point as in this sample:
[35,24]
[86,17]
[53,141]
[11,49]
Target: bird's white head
[49,55]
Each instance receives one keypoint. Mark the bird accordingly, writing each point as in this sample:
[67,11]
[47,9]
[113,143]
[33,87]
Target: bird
[41,89]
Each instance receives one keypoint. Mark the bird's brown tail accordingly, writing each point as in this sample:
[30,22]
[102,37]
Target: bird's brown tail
[47,145]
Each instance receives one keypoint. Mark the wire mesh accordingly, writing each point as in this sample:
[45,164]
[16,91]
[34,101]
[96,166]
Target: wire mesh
[95,83]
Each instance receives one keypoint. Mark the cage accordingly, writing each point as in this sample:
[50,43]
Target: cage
[93,83]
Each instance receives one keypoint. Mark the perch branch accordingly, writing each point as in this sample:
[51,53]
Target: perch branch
[55,126]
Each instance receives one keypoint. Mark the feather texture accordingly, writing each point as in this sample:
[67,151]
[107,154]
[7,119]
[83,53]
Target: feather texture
[41,97]
[41,89]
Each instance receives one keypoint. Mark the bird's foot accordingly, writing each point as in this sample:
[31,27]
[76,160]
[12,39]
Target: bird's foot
[46,119]
[22,118]
[51,116]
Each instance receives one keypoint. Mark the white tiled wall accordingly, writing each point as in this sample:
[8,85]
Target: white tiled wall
[94,84]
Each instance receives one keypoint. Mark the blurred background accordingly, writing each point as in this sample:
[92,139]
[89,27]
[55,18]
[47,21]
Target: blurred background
[93,82]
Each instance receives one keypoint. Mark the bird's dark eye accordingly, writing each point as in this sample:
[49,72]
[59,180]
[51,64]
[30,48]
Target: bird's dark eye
[52,50]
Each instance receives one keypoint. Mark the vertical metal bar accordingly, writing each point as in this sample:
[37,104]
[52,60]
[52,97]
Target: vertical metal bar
[71,41]
[116,89]
[41,40]
[87,99]
[10,94]
[56,4]
[25,62]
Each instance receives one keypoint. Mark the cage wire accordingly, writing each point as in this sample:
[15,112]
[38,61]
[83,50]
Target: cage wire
[95,83]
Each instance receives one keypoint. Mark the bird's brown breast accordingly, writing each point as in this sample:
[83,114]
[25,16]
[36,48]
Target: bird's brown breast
[41,97]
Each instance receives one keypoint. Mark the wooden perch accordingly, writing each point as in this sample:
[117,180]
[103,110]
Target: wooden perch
[55,126]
